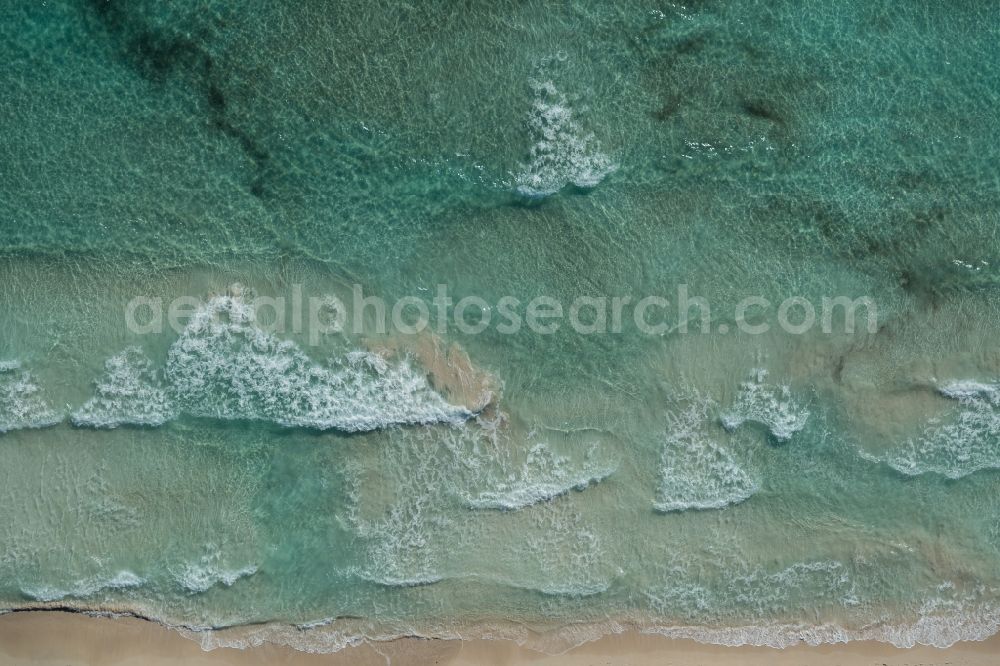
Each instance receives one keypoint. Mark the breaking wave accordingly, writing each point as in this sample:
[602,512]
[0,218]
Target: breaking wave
[965,441]
[209,571]
[22,401]
[85,588]
[224,366]
[415,532]
[130,392]
[543,476]
[766,404]
[563,153]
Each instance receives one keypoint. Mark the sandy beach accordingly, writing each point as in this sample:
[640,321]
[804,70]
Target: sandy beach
[70,639]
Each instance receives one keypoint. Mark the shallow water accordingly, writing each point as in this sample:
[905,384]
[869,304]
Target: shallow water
[732,486]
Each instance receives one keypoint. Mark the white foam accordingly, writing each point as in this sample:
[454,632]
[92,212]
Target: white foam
[563,152]
[741,592]
[943,618]
[941,631]
[939,621]
[389,580]
[198,578]
[415,533]
[315,624]
[561,555]
[800,585]
[22,402]
[86,587]
[769,405]
[401,550]
[130,392]
[680,599]
[224,366]
[574,590]
[936,631]
[967,389]
[209,571]
[965,441]
[543,476]
[938,625]
[696,472]
[402,538]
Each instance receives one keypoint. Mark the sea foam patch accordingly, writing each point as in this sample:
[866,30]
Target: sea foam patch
[224,366]
[964,441]
[203,576]
[22,401]
[563,153]
[130,392]
[751,592]
[402,539]
[542,476]
[557,552]
[697,472]
[86,587]
[211,569]
[418,529]
[769,405]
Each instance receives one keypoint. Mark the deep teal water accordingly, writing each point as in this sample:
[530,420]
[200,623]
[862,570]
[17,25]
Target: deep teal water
[226,475]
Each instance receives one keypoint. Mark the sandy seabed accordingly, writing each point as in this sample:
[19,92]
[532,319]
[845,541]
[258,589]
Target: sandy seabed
[74,639]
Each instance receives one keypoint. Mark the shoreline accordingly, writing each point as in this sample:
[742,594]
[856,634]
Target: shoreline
[28,637]
[342,634]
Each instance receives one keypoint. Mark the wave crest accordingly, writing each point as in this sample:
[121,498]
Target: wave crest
[543,476]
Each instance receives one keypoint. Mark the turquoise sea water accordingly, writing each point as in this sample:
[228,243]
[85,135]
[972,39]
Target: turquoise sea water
[313,487]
